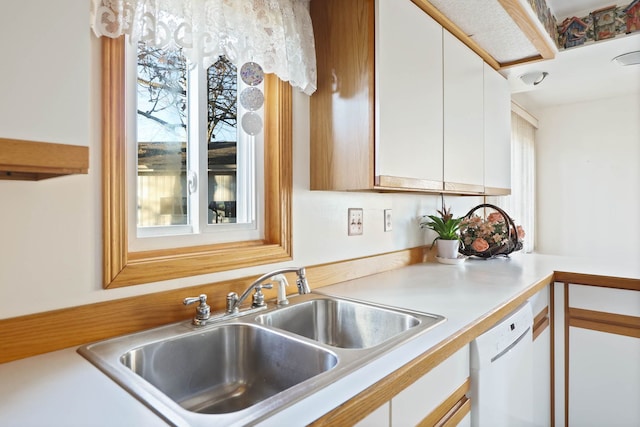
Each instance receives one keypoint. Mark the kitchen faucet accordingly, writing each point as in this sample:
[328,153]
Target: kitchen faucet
[233,302]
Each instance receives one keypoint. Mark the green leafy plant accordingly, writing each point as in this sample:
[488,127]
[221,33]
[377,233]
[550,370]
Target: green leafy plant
[445,225]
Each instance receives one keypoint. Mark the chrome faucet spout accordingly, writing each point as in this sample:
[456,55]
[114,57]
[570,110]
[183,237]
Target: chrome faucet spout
[234,302]
[303,285]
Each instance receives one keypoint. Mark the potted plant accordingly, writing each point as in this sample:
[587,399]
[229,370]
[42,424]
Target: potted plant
[447,228]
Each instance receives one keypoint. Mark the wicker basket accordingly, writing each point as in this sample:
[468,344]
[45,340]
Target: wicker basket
[512,244]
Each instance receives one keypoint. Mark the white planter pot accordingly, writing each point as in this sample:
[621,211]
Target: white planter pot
[448,248]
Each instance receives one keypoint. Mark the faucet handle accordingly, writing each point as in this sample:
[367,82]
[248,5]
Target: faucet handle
[203,311]
[190,300]
[258,296]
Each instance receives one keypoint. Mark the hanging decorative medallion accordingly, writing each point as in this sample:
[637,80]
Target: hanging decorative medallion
[252,123]
[252,73]
[251,98]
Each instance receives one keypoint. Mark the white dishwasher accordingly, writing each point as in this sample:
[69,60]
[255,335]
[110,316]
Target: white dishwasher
[502,373]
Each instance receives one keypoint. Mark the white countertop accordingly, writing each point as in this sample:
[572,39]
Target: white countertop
[63,389]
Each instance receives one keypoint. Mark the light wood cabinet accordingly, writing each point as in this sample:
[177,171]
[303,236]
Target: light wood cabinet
[341,110]
[463,117]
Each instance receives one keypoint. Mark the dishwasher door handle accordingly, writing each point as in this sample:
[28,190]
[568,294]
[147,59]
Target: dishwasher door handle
[513,344]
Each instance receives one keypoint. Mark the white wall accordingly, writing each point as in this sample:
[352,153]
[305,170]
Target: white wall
[50,231]
[588,179]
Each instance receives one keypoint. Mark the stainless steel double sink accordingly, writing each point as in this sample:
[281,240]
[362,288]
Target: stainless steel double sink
[241,369]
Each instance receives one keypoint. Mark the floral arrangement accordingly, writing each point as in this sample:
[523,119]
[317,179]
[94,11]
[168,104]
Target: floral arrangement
[490,237]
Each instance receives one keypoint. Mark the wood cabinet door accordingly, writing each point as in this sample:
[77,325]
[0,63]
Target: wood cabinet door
[342,109]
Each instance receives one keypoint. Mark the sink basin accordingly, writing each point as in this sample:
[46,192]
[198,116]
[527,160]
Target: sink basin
[240,369]
[341,323]
[227,368]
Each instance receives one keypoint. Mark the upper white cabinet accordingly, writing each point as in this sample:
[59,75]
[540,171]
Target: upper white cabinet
[497,133]
[463,117]
[376,118]
[408,58]
[400,102]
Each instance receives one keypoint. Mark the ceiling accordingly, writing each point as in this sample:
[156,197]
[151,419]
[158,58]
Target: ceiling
[582,73]
[508,36]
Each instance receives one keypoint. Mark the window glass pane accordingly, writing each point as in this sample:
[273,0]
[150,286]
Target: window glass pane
[162,137]
[222,141]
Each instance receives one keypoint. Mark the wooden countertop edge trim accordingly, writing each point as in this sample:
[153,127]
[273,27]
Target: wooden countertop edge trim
[597,280]
[377,394]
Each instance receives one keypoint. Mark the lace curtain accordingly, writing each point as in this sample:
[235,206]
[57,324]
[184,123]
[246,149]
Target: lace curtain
[277,34]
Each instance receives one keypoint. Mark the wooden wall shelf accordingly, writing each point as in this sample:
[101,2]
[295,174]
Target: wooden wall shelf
[33,161]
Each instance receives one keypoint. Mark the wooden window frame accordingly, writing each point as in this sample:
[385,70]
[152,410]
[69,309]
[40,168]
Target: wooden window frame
[124,268]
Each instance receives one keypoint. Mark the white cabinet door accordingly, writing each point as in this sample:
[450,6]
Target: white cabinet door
[497,132]
[602,356]
[466,421]
[378,418]
[604,379]
[541,358]
[463,116]
[408,92]
[542,379]
[604,367]
[414,403]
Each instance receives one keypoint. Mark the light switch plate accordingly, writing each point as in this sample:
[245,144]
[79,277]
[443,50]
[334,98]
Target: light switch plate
[388,220]
[355,222]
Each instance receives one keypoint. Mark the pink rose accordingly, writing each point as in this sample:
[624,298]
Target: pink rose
[495,217]
[520,231]
[480,245]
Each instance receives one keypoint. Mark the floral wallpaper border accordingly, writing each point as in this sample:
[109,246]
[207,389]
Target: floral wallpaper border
[601,24]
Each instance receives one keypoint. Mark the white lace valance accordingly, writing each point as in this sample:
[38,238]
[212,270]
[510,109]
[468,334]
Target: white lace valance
[277,34]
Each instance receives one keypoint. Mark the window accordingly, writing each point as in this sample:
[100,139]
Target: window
[197,175]
[124,265]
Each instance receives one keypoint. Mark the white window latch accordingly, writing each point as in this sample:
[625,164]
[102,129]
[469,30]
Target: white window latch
[192,182]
